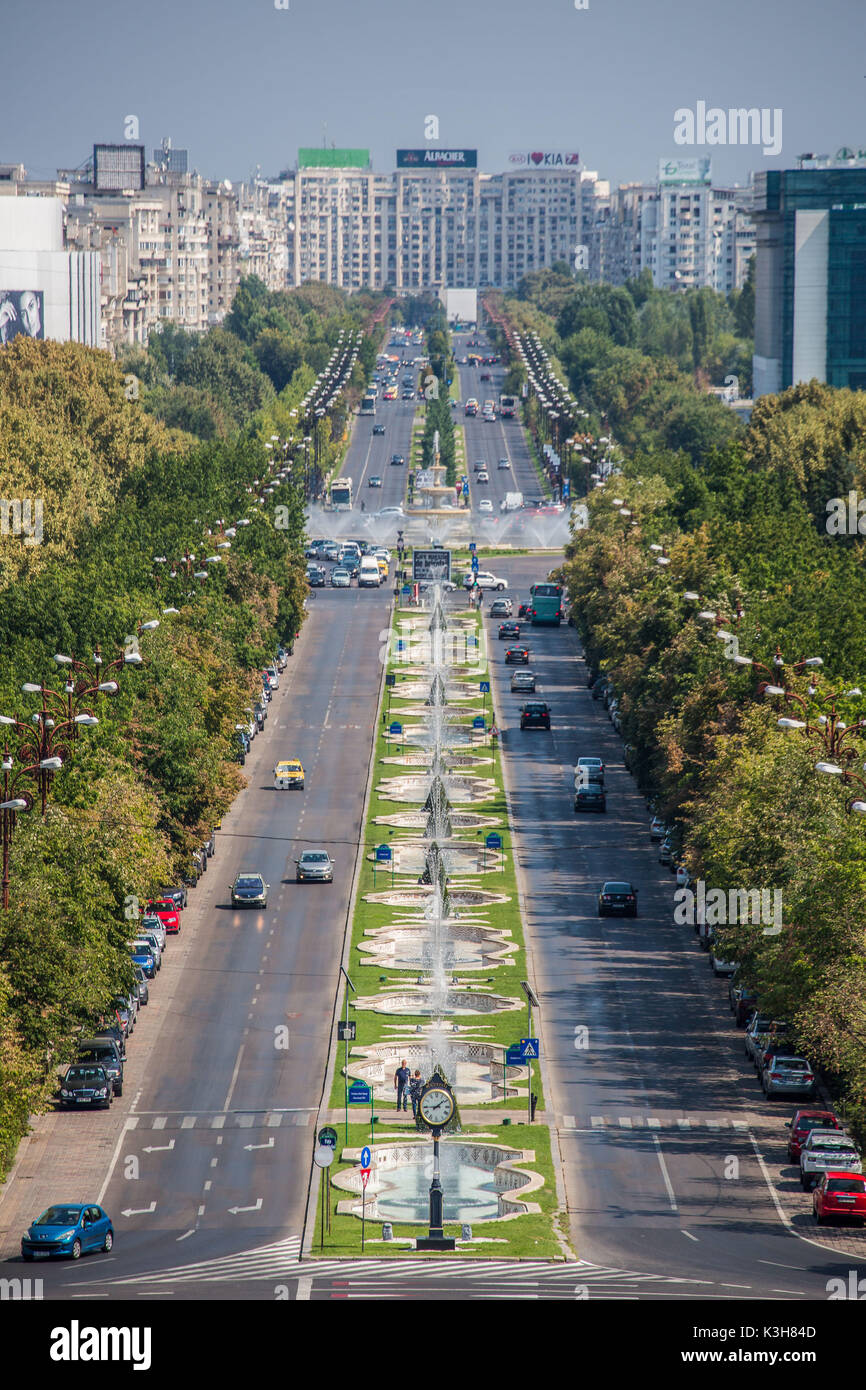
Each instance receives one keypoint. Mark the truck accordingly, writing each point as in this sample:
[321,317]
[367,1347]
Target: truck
[507,407]
[369,575]
[511,502]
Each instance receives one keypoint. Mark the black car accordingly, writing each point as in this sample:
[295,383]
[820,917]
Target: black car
[535,715]
[315,576]
[103,1052]
[743,1002]
[378,429]
[617,897]
[591,798]
[509,630]
[177,893]
[249,890]
[517,656]
[397,459]
[85,1085]
[352,564]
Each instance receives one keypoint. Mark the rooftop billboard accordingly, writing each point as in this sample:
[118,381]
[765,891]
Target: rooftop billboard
[437,159]
[310,158]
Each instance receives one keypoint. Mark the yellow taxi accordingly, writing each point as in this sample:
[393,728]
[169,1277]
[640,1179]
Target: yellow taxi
[288,773]
[383,566]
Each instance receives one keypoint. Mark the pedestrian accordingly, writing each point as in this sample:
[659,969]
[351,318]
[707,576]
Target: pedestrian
[416,1086]
[401,1081]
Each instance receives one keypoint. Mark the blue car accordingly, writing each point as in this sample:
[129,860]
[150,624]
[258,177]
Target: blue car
[69,1228]
[144,958]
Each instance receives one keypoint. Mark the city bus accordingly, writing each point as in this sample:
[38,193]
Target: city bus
[341,494]
[545,604]
[368,405]
[507,407]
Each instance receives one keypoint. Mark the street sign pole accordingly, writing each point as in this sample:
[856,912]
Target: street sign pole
[363,1215]
[529,1069]
[322,1241]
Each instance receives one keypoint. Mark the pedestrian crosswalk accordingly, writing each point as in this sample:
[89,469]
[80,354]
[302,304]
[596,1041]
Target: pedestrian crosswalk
[677,1123]
[219,1119]
[280,1262]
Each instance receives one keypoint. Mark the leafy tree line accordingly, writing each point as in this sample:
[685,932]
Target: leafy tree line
[122,480]
[743,517]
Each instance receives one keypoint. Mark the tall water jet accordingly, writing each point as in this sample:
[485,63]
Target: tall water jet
[437,694]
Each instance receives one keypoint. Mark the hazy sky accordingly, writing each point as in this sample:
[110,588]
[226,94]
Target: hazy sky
[241,83]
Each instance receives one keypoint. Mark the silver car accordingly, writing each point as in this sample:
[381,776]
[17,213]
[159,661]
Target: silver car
[314,866]
[788,1076]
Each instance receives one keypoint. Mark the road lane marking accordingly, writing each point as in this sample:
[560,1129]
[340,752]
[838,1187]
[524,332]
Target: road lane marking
[691,1237]
[568,1121]
[159,1122]
[624,1122]
[684,1124]
[218,1121]
[597,1121]
[234,1076]
[114,1158]
[665,1175]
[188,1122]
[187,1234]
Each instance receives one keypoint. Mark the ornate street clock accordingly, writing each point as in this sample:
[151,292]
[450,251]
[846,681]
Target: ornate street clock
[436,1110]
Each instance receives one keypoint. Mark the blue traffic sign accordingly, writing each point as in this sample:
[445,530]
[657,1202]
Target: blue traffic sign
[395,728]
[465,489]
[493,840]
[484,687]
[472,547]
[529,1049]
[365,1157]
[478,722]
[513,1055]
[360,1093]
[383,853]
[475,562]
[390,678]
[406,589]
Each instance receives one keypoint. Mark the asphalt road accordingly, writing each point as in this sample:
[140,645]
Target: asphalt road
[219,1101]
[660,1120]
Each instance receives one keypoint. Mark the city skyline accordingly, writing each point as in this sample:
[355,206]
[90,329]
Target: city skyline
[607,81]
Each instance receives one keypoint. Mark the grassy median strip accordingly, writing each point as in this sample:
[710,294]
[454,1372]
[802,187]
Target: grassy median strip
[521,1237]
[530,1234]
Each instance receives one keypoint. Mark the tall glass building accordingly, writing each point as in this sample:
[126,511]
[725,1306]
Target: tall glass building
[810,280]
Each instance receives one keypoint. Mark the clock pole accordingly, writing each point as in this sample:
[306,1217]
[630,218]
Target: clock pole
[435,1111]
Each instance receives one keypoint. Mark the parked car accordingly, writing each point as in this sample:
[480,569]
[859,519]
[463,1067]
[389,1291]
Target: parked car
[176,893]
[85,1085]
[658,828]
[666,851]
[314,866]
[827,1151]
[146,934]
[167,912]
[743,1002]
[142,989]
[143,956]
[839,1196]
[103,1052]
[801,1126]
[617,896]
[70,1229]
[788,1076]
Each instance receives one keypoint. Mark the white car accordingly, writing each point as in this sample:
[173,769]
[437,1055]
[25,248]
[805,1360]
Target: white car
[485,505]
[390,511]
[482,477]
[503,463]
[827,1149]
[383,551]
[485,579]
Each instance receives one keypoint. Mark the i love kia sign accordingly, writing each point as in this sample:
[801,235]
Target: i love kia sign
[545,159]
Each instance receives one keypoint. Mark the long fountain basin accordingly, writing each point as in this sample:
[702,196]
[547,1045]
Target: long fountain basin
[479,1182]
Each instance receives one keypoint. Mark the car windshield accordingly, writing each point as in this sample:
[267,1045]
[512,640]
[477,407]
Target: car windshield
[248,881]
[84,1076]
[163,905]
[809,1122]
[313,857]
[59,1216]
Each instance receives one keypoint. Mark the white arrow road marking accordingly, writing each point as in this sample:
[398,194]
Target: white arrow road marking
[159,1148]
[235,1210]
[268,1145]
[144,1211]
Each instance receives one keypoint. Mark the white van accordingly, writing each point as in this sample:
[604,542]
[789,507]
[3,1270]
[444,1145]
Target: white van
[369,573]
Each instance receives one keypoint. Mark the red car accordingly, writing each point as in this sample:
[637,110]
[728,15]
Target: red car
[803,1122]
[840,1195]
[167,912]
[517,656]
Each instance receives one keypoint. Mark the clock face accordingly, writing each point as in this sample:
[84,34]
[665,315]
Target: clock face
[437,1107]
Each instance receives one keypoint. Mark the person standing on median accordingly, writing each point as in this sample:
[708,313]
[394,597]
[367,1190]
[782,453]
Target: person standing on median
[416,1086]
[401,1081]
